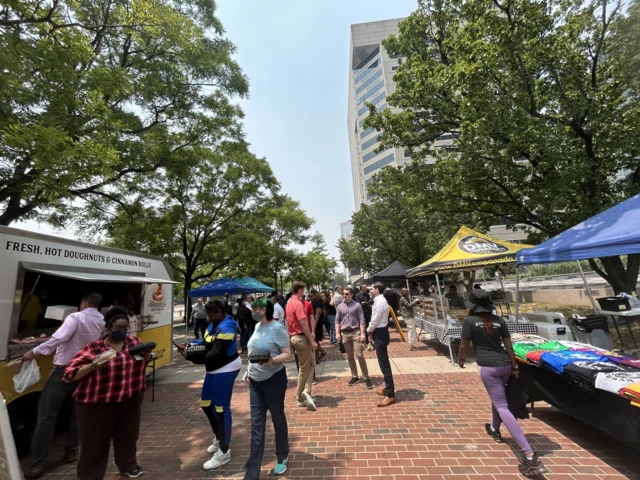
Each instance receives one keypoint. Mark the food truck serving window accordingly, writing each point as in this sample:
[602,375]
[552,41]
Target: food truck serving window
[59,292]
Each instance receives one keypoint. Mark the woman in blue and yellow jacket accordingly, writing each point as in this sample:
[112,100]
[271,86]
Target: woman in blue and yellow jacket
[223,365]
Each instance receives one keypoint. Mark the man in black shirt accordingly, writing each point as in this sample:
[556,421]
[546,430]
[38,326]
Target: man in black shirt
[364,299]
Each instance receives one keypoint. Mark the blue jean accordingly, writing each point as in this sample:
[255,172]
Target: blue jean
[332,333]
[215,402]
[267,395]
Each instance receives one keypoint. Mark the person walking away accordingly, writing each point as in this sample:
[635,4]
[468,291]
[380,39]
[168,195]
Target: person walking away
[303,344]
[406,310]
[364,299]
[393,299]
[245,321]
[496,364]
[350,329]
[226,304]
[267,388]
[317,304]
[380,332]
[223,364]
[77,330]
[199,318]
[234,309]
[330,311]
[108,399]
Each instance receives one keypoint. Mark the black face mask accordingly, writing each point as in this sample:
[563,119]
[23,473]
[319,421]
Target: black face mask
[119,335]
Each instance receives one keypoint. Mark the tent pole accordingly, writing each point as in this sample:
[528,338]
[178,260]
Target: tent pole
[440,295]
[586,285]
[517,292]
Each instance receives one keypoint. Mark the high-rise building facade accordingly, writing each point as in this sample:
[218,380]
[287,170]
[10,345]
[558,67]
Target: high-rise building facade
[371,73]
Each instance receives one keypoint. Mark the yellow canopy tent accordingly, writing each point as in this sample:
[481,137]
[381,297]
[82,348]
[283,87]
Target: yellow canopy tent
[468,250]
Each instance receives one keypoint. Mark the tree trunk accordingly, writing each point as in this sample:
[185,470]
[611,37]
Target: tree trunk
[187,300]
[620,279]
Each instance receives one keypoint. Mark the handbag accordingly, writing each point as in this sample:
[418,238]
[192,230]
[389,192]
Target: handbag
[516,398]
[342,349]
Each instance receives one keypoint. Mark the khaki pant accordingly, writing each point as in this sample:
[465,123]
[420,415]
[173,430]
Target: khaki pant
[352,345]
[307,359]
[411,329]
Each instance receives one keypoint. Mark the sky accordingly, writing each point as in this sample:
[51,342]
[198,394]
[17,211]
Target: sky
[296,55]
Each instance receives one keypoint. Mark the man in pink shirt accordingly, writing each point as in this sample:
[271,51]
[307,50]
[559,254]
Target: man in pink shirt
[77,330]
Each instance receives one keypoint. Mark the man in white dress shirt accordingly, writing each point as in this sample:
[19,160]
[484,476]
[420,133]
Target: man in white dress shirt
[378,328]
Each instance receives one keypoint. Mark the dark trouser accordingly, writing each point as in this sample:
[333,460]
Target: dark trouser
[267,395]
[199,324]
[100,423]
[245,335]
[52,399]
[380,342]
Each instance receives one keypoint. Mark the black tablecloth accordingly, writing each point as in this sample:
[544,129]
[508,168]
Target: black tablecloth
[604,411]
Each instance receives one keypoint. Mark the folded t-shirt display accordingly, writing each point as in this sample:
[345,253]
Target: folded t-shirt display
[615,381]
[521,350]
[557,360]
[584,374]
[632,392]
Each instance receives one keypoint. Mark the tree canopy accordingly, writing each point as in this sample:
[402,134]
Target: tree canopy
[96,94]
[542,101]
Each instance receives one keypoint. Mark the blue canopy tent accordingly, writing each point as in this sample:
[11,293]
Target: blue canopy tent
[219,287]
[613,232]
[254,284]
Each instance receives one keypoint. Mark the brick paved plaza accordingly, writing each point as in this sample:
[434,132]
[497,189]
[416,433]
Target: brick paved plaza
[434,432]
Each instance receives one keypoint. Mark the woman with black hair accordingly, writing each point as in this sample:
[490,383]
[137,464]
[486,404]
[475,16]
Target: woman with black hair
[268,383]
[109,399]
[496,364]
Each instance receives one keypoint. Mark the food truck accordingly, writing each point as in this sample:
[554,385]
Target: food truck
[44,279]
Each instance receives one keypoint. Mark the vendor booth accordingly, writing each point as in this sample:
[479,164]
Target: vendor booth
[44,280]
[594,385]
[219,288]
[396,272]
[467,250]
[258,287]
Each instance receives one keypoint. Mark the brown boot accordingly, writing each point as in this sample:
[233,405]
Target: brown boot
[382,392]
[386,401]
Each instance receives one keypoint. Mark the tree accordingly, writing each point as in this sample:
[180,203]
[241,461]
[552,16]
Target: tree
[314,268]
[337,278]
[95,94]
[408,221]
[541,96]
[196,217]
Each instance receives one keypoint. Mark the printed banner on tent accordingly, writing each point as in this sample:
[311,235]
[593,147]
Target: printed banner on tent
[468,250]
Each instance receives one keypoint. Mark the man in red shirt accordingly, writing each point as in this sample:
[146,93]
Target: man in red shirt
[302,343]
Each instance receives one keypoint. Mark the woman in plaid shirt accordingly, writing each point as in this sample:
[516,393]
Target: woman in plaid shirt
[108,399]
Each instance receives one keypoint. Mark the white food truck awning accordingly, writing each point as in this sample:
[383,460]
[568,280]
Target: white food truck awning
[101,277]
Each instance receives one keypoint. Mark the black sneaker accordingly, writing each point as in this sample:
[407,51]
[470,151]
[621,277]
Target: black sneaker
[353,381]
[368,383]
[135,472]
[495,434]
[533,467]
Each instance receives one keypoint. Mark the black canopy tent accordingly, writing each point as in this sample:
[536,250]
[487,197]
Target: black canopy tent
[393,273]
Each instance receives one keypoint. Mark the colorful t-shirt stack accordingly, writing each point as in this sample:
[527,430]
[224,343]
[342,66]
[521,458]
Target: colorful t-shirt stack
[556,361]
[521,350]
[615,381]
[623,359]
[632,392]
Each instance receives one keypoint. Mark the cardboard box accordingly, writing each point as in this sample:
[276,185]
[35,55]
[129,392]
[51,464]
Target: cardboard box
[59,312]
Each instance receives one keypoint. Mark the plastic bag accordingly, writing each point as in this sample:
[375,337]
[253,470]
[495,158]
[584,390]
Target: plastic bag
[29,375]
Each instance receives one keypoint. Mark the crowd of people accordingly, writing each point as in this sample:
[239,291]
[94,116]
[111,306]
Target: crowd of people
[95,365]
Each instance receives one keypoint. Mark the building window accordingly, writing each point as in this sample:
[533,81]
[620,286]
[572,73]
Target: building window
[369,81]
[394,68]
[367,132]
[371,155]
[370,143]
[370,92]
[368,58]
[379,164]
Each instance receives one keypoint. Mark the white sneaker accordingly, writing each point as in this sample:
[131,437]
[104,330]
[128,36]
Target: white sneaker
[214,447]
[308,401]
[301,404]
[218,460]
